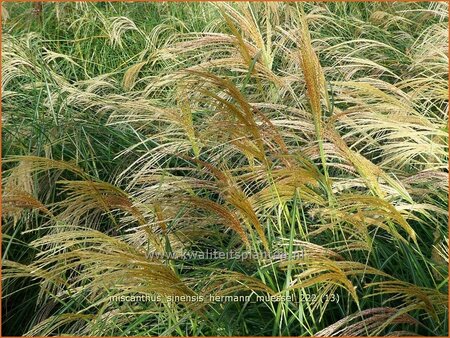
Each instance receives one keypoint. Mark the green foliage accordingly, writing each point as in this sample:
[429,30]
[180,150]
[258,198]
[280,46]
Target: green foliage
[312,136]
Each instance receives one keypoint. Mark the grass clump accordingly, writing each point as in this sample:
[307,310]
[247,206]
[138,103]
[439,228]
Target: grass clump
[303,145]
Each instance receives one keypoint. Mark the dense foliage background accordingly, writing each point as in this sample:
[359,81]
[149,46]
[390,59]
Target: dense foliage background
[313,136]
